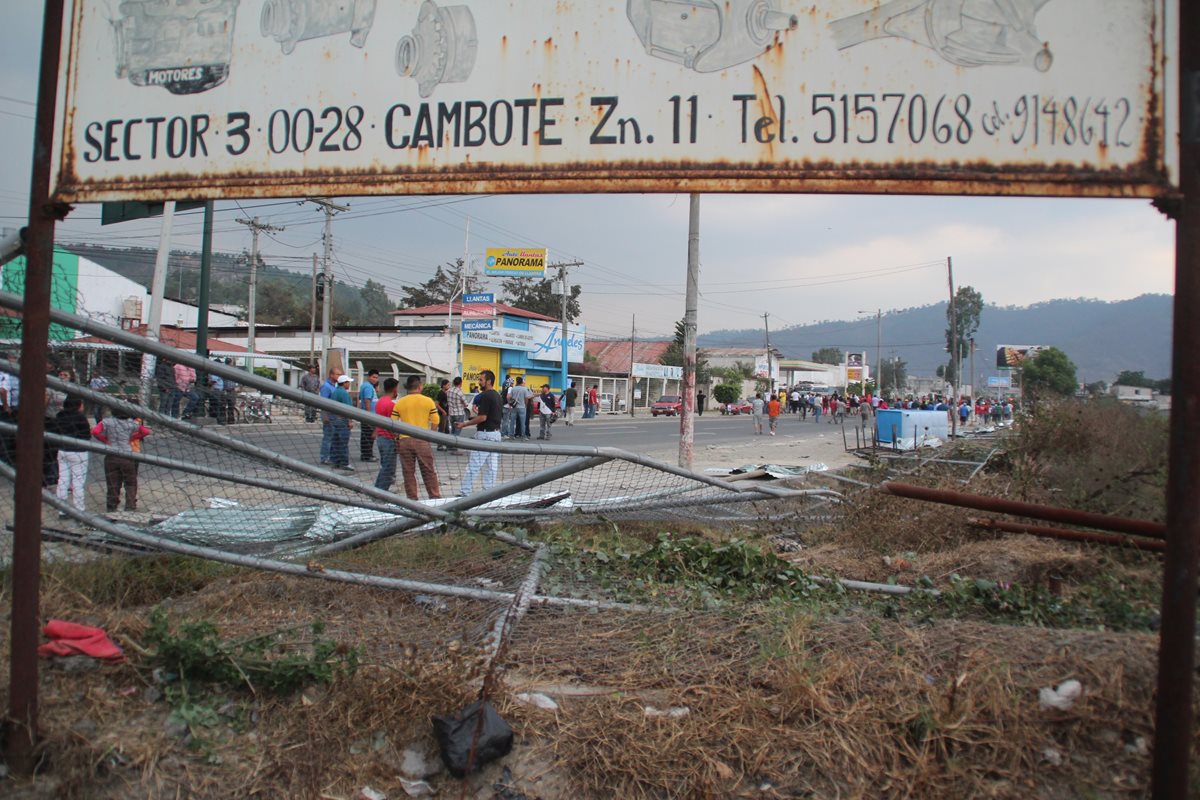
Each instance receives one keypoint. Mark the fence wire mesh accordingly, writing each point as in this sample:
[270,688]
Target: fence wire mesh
[153,448]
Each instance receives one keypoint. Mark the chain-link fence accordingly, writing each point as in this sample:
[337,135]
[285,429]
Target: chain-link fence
[152,448]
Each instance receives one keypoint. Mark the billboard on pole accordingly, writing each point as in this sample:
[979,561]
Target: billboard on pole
[515,262]
[1011,356]
[221,98]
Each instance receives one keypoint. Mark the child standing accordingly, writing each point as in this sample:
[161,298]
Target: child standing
[120,433]
[72,463]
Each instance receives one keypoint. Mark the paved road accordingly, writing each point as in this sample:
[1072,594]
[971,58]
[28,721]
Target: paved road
[642,434]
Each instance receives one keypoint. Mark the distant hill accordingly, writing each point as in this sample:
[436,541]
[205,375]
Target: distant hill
[1102,338]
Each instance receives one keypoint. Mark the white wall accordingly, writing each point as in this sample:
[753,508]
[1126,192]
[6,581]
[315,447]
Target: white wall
[102,294]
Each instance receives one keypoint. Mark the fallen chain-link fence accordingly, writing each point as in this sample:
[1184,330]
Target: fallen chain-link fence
[251,489]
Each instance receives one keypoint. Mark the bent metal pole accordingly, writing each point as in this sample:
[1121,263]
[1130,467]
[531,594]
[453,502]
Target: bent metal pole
[21,726]
[1090,519]
[1173,720]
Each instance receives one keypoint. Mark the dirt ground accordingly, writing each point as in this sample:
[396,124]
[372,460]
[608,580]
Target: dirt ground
[746,680]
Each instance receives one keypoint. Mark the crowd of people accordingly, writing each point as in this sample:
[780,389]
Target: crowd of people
[497,414]
[835,406]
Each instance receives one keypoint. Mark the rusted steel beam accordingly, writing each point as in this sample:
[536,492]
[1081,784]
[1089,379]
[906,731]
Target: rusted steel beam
[996,505]
[1173,717]
[21,726]
[1113,539]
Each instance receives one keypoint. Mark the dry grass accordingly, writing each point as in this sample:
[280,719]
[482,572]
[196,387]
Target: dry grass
[821,697]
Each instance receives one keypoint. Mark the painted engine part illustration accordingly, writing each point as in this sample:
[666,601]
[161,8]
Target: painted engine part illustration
[968,33]
[707,35]
[290,22]
[184,46]
[441,48]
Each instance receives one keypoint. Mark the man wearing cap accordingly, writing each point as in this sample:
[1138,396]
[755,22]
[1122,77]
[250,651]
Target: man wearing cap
[339,440]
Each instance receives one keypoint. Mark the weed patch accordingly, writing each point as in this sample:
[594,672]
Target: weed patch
[280,661]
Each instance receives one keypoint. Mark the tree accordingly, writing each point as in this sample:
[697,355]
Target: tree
[893,376]
[443,287]
[968,308]
[828,355]
[1048,374]
[740,371]
[278,303]
[726,393]
[674,356]
[1131,378]
[376,305]
[538,296]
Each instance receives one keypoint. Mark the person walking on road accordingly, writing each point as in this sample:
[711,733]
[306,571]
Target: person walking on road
[756,412]
[569,397]
[419,411]
[518,398]
[339,437]
[310,382]
[700,398]
[368,395]
[487,421]
[385,440]
[773,410]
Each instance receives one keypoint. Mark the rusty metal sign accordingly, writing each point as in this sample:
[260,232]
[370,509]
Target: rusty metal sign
[229,98]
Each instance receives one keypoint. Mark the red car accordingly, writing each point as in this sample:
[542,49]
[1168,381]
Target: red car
[669,404]
[740,407]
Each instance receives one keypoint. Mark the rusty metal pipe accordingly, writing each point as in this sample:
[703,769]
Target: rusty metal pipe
[1088,519]
[21,726]
[1112,539]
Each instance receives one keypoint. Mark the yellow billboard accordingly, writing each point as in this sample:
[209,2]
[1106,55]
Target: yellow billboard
[516,262]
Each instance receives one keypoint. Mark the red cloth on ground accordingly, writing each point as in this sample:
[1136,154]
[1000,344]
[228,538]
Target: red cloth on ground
[73,639]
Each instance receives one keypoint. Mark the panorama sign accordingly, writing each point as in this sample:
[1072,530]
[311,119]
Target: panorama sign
[167,99]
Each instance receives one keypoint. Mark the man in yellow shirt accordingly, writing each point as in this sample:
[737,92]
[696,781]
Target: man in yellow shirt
[419,411]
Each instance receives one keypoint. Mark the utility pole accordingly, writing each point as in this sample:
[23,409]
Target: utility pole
[687,420]
[954,354]
[974,386]
[770,373]
[562,278]
[330,208]
[256,228]
[312,321]
[632,339]
[158,287]
[878,347]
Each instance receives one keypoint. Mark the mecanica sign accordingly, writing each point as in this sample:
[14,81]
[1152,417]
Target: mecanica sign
[221,98]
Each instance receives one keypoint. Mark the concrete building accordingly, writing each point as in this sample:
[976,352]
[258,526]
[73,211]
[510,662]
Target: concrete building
[507,340]
[83,287]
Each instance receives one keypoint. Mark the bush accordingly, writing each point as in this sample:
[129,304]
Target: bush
[431,391]
[725,393]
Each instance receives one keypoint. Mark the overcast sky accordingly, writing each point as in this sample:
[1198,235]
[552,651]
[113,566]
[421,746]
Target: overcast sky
[798,258]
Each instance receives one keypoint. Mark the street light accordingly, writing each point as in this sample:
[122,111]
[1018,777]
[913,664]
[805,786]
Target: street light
[878,347]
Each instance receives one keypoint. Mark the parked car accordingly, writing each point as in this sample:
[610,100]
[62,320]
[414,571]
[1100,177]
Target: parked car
[606,404]
[740,407]
[669,405]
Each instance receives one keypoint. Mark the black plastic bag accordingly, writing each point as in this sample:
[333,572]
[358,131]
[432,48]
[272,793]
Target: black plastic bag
[457,734]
